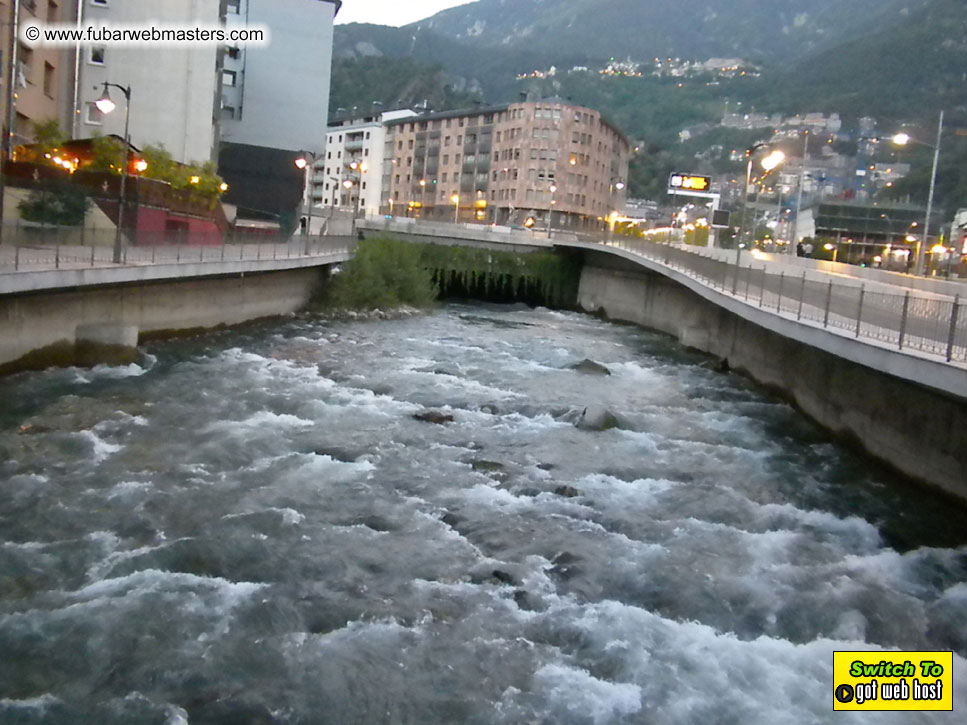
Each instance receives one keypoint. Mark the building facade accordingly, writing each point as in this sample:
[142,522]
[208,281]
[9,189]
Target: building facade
[545,163]
[277,95]
[274,104]
[42,77]
[351,172]
[174,91]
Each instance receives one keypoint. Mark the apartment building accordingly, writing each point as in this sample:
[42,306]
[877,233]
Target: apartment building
[351,171]
[174,91]
[42,76]
[557,164]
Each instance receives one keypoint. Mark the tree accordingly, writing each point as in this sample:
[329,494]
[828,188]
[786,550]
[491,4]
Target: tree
[107,154]
[61,204]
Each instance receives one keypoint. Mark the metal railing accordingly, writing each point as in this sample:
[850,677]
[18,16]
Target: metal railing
[933,324]
[47,253]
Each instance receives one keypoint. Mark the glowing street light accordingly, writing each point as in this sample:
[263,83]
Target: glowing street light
[106,105]
[902,139]
[769,163]
[456,208]
[773,160]
[305,162]
[550,209]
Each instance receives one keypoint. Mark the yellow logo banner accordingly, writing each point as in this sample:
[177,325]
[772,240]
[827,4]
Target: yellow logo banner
[893,680]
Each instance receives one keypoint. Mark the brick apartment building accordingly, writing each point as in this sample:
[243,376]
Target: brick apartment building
[506,164]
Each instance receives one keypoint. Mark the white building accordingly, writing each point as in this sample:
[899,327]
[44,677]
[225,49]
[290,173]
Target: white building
[277,95]
[354,156]
[174,91]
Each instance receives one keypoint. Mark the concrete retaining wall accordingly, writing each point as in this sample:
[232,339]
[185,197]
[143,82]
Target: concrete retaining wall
[919,431]
[31,323]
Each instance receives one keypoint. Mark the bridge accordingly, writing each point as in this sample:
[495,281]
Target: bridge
[877,357]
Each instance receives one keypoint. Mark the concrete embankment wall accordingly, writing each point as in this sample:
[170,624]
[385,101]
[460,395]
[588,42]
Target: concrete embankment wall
[42,328]
[920,431]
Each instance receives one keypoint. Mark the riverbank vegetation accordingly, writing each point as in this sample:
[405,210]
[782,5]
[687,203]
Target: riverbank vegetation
[387,273]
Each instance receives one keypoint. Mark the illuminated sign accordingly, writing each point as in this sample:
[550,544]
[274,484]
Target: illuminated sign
[689,182]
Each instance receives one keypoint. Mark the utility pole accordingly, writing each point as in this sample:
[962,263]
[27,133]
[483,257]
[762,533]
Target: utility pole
[922,252]
[802,181]
[12,59]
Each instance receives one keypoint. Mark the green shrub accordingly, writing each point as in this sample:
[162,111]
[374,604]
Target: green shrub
[383,274]
[59,204]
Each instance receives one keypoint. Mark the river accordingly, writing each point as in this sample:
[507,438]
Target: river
[250,526]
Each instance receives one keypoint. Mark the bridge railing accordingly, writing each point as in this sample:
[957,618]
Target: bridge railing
[930,323]
[163,249]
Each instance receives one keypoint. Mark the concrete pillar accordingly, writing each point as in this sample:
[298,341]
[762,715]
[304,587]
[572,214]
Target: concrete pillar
[108,343]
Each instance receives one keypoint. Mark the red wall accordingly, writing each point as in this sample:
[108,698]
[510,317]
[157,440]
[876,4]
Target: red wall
[157,226]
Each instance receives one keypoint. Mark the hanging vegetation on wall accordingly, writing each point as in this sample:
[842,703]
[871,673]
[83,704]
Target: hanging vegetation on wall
[388,273]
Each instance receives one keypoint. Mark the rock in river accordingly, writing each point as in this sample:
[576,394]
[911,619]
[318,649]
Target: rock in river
[589,367]
[433,416]
[597,417]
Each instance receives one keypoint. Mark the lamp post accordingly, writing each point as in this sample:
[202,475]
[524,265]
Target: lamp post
[307,162]
[105,105]
[902,139]
[358,168]
[550,209]
[769,163]
[456,208]
[619,185]
[348,185]
[802,183]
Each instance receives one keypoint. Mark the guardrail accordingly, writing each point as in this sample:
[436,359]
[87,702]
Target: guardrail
[933,324]
[21,258]
[910,320]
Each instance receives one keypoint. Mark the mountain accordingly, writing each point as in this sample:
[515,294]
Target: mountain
[763,30]
[914,65]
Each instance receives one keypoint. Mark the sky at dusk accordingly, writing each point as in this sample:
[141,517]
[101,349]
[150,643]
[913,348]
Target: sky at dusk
[392,12]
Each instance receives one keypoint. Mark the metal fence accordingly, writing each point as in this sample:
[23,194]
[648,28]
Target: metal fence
[50,253]
[908,320]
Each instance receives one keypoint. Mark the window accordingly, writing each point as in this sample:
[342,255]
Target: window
[232,7]
[26,56]
[51,11]
[94,116]
[228,78]
[96,55]
[48,80]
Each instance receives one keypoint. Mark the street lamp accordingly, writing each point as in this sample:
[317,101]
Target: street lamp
[307,162]
[902,139]
[456,208]
[614,185]
[105,105]
[550,209]
[769,163]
